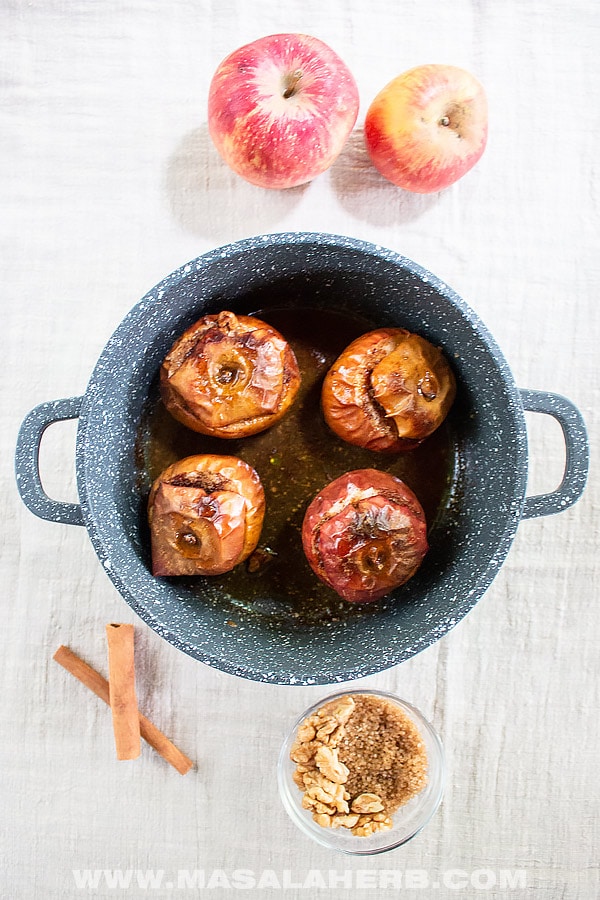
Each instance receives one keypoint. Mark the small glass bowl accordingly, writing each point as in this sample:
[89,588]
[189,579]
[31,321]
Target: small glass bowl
[408,820]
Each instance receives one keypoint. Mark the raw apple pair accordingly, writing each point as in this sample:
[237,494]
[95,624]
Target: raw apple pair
[281,108]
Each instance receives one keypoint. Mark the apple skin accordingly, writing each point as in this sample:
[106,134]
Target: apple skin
[427,127]
[281,108]
[388,391]
[205,514]
[364,534]
[229,376]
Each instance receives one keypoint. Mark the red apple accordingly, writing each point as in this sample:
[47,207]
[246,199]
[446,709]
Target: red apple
[281,108]
[364,534]
[427,127]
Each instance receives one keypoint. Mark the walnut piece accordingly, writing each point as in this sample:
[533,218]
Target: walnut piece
[327,761]
[367,803]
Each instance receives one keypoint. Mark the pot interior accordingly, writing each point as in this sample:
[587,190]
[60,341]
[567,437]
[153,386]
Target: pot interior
[280,624]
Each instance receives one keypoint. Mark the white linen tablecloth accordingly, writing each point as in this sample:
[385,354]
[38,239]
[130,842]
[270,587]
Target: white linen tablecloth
[109,182]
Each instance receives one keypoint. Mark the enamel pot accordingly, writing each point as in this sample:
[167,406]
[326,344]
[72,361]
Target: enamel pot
[473,529]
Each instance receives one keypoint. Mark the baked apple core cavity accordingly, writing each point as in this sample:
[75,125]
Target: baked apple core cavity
[228,374]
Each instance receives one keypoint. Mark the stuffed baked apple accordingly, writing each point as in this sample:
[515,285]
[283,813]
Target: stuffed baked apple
[229,376]
[365,534]
[205,514]
[388,390]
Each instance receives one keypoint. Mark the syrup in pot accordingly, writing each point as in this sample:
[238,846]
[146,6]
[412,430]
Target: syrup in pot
[295,459]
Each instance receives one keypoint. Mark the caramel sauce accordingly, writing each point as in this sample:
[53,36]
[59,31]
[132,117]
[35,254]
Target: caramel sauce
[295,459]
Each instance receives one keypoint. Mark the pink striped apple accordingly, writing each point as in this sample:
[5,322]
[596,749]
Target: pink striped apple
[427,127]
[281,108]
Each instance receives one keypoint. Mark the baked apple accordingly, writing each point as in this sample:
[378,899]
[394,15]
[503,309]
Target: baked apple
[229,376]
[365,534]
[388,390]
[205,514]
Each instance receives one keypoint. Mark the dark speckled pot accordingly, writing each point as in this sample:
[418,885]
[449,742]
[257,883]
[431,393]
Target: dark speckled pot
[469,544]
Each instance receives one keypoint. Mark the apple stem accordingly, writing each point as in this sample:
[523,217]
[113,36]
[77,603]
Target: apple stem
[291,83]
[444,120]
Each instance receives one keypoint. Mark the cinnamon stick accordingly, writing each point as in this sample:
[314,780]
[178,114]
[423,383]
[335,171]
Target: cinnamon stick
[121,688]
[99,685]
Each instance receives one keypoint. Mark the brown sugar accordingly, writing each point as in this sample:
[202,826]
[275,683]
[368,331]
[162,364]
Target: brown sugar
[359,758]
[383,751]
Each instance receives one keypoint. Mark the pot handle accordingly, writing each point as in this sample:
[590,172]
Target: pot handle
[577,461]
[27,468]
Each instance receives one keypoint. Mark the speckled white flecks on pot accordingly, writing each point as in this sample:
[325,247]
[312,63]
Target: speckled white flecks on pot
[468,546]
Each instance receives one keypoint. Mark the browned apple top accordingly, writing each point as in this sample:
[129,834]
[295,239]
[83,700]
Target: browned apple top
[365,534]
[229,376]
[205,514]
[388,390]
